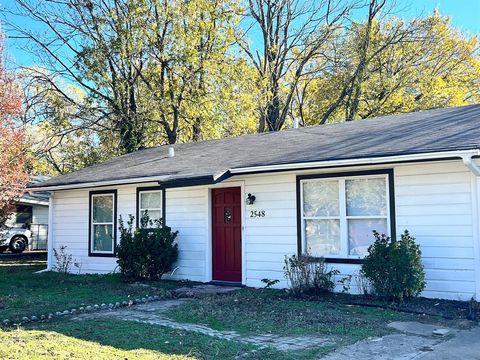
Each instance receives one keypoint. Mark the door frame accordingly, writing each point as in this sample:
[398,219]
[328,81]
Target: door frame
[209,242]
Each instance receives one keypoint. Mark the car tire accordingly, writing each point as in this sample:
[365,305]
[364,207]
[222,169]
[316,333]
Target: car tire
[18,244]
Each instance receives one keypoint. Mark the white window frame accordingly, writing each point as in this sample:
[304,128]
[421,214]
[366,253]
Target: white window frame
[112,223]
[343,218]
[140,209]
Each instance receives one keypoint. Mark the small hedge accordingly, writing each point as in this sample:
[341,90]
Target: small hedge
[394,268]
[306,275]
[148,252]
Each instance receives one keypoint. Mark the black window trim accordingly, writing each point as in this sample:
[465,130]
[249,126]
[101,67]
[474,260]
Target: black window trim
[149,188]
[90,219]
[391,196]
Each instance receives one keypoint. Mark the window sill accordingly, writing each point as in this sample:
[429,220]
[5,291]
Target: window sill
[101,255]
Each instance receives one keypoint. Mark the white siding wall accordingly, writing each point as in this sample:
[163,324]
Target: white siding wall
[270,238]
[40,214]
[434,201]
[39,227]
[186,211]
[70,229]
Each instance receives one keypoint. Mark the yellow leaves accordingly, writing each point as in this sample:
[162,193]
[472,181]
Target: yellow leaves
[434,65]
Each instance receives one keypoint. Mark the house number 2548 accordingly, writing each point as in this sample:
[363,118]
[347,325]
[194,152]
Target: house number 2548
[257,213]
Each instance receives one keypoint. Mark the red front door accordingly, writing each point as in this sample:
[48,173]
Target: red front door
[227,234]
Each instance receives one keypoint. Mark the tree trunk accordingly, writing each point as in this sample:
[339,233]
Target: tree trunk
[197,129]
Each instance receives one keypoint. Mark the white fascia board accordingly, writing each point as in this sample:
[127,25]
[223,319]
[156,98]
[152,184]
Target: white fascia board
[33,202]
[359,161]
[96,184]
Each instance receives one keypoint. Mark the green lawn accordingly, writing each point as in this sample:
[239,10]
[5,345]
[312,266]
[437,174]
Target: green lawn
[117,339]
[24,293]
[112,339]
[273,311]
[247,311]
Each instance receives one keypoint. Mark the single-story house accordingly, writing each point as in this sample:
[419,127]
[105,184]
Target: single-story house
[32,209]
[241,204]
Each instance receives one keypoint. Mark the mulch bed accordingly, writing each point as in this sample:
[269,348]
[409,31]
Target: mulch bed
[447,309]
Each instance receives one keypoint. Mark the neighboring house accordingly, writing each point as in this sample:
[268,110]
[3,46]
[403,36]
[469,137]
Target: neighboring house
[32,209]
[241,204]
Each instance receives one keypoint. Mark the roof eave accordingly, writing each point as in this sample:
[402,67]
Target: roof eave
[74,186]
[213,179]
[441,155]
[33,202]
[195,181]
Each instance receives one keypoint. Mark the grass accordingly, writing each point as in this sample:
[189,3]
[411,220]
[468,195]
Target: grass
[25,293]
[117,339]
[273,311]
[112,339]
[247,311]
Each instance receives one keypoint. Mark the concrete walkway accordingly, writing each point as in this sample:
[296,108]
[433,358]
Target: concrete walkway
[417,342]
[389,347]
[465,346]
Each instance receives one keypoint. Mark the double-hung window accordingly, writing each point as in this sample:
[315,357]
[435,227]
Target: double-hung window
[339,214]
[103,222]
[150,202]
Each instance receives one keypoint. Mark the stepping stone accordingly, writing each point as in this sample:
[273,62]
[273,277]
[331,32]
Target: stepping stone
[441,332]
[203,290]
[416,328]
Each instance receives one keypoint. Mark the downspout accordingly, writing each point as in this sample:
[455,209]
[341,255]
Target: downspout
[475,169]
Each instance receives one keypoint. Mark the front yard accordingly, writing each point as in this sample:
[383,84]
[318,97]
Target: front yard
[245,314]
[23,293]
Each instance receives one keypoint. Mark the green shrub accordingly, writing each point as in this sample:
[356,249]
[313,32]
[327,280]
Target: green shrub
[307,275]
[148,252]
[394,268]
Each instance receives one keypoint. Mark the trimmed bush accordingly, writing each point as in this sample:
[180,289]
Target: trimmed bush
[394,268]
[148,252]
[307,275]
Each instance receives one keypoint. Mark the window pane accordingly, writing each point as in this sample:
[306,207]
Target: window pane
[360,234]
[320,198]
[102,209]
[151,200]
[152,214]
[23,214]
[103,238]
[366,197]
[322,237]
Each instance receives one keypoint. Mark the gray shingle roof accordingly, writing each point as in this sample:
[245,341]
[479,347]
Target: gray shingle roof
[411,133]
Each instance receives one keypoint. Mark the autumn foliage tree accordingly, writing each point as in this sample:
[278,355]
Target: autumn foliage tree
[389,66]
[13,159]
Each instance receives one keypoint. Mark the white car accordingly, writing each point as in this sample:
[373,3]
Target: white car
[15,238]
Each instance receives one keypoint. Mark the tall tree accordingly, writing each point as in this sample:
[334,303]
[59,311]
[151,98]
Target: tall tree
[13,157]
[409,66]
[293,33]
[149,69]
[191,65]
[96,46]
[363,53]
